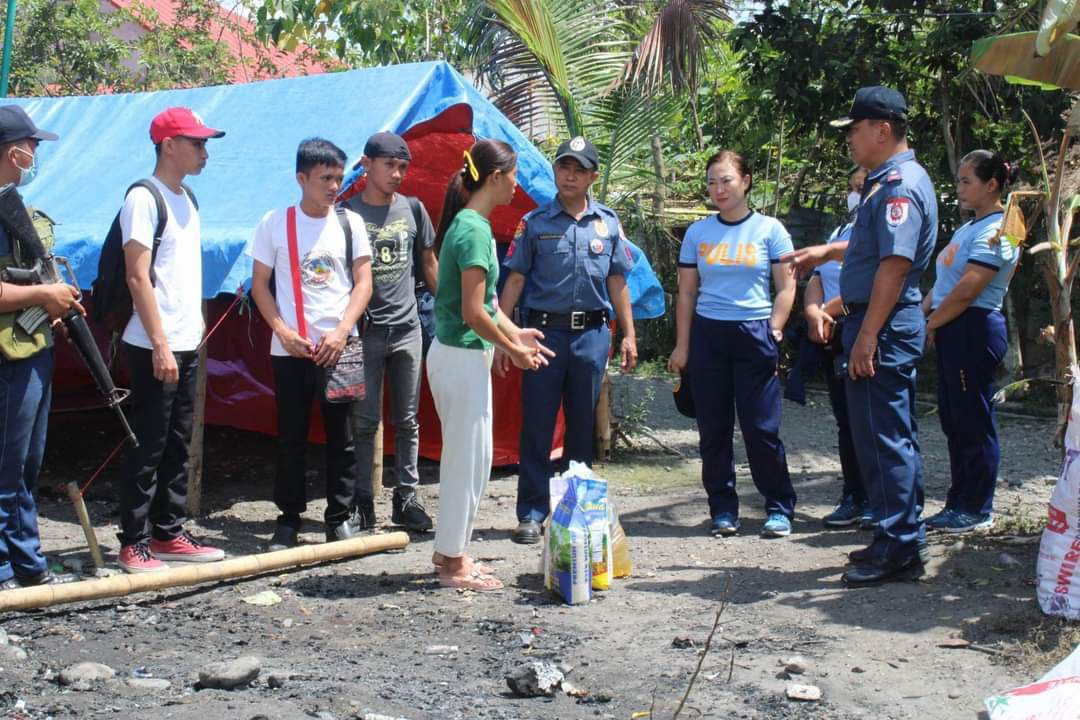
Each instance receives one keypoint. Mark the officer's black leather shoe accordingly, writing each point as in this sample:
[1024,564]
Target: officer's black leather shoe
[863,555]
[526,533]
[342,531]
[868,573]
[284,538]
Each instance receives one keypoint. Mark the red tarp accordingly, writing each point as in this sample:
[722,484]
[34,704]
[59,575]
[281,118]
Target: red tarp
[240,381]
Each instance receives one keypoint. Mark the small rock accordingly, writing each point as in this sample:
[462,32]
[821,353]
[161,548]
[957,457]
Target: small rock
[808,693]
[277,679]
[85,673]
[104,572]
[953,643]
[857,669]
[1007,560]
[10,653]
[148,684]
[229,675]
[441,650]
[377,716]
[573,690]
[955,695]
[1015,482]
[3,637]
[796,665]
[526,639]
[287,623]
[266,598]
[682,643]
[534,679]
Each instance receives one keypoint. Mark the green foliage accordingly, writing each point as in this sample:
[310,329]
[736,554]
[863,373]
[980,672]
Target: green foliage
[72,48]
[366,32]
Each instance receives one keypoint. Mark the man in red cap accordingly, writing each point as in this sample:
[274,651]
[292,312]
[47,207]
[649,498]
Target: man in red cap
[160,342]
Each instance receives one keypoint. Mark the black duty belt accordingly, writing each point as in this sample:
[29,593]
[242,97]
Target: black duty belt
[580,320]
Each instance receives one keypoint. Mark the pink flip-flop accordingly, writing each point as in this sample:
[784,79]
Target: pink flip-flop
[473,581]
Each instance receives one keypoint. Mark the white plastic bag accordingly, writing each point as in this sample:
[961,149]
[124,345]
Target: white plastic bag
[1056,696]
[1058,568]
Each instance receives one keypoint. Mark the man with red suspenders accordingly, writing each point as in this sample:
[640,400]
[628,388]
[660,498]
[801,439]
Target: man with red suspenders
[318,299]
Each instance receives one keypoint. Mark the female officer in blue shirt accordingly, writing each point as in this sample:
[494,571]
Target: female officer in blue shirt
[965,322]
[728,334]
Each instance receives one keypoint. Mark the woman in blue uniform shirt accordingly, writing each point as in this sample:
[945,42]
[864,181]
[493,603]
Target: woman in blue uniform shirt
[728,331]
[964,321]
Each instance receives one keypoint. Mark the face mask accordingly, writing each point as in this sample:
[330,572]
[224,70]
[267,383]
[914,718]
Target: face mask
[27,175]
[853,201]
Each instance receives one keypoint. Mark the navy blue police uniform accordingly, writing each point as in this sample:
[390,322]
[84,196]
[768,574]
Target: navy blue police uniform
[897,216]
[566,262]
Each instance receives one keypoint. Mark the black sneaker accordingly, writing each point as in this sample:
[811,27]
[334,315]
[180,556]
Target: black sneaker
[284,538]
[409,513]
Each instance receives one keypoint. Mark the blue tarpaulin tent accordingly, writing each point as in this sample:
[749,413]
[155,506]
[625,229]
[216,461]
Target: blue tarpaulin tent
[104,146]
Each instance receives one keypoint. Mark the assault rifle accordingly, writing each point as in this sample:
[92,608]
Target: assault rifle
[45,270]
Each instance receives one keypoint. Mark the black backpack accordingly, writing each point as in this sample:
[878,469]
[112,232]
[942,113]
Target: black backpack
[112,306]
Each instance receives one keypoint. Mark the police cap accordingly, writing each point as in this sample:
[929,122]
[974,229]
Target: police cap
[581,150]
[874,103]
[16,125]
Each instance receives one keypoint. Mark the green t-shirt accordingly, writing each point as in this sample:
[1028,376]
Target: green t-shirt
[468,243]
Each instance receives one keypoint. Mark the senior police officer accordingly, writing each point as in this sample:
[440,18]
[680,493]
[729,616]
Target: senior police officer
[883,333]
[569,258]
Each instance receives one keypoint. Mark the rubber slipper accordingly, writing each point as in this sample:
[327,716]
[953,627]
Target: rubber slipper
[476,567]
[473,581]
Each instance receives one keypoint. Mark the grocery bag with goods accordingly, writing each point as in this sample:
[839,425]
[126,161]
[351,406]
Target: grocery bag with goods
[594,501]
[569,548]
[1058,568]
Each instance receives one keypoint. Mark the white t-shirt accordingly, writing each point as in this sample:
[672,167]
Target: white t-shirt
[325,284]
[177,268]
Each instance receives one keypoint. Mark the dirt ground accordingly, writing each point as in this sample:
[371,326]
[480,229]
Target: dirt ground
[359,637]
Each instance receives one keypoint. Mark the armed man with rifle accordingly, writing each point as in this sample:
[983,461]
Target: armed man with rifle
[26,358]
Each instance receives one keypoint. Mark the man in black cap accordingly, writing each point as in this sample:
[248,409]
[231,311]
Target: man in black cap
[26,368]
[402,252]
[883,329]
[568,264]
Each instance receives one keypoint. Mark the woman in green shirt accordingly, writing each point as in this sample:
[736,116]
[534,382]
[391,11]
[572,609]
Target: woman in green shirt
[468,328]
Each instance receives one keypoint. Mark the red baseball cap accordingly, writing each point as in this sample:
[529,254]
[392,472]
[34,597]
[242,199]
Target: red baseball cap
[180,121]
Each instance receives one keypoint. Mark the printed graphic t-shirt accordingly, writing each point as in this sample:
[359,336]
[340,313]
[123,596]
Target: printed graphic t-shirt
[177,268]
[324,280]
[394,236]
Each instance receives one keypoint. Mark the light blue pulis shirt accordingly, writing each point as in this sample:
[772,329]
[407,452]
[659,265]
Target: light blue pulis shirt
[897,216]
[734,263]
[830,271]
[971,244]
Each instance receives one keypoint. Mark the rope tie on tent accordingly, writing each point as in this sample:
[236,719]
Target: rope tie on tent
[101,468]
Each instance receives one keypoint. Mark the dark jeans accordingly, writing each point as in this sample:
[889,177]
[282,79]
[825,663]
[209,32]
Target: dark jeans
[25,395]
[393,351]
[849,462]
[733,370]
[969,350]
[153,498]
[297,381]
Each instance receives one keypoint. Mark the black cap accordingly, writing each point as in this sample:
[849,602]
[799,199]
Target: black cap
[684,398]
[581,150]
[874,103]
[387,144]
[16,125]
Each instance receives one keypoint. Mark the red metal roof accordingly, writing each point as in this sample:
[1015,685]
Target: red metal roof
[234,30]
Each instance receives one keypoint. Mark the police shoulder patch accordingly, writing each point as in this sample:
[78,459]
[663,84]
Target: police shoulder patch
[520,230]
[896,211]
[510,250]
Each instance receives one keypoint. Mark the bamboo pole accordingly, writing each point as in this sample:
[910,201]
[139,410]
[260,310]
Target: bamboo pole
[84,519]
[195,456]
[377,462]
[194,574]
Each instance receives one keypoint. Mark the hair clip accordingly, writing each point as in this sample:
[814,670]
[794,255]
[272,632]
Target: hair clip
[470,166]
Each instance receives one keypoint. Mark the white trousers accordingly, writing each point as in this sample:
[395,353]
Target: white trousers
[460,381]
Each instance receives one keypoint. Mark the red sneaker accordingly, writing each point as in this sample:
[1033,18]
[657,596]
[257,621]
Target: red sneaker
[137,558]
[184,548]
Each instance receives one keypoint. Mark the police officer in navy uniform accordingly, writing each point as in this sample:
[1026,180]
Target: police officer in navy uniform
[884,331]
[567,266]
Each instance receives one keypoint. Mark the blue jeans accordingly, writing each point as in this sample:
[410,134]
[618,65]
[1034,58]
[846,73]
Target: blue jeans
[969,350]
[573,379]
[881,411]
[393,350]
[733,370]
[25,396]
